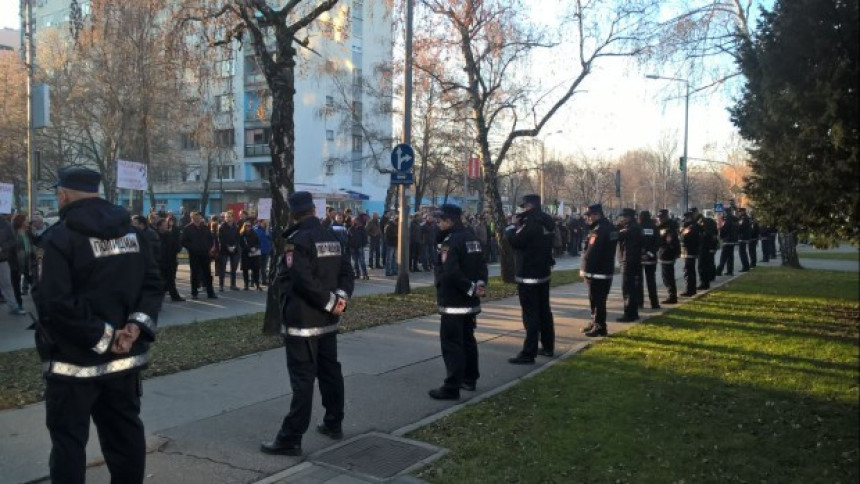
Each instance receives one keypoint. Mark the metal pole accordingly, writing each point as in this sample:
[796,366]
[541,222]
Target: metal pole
[30,60]
[402,286]
[542,161]
[686,136]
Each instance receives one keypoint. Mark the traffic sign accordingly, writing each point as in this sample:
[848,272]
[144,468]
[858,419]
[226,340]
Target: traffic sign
[718,207]
[402,157]
[402,178]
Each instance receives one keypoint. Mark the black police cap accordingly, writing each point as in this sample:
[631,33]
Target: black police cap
[301,202]
[628,212]
[594,209]
[80,179]
[531,198]
[663,213]
[449,211]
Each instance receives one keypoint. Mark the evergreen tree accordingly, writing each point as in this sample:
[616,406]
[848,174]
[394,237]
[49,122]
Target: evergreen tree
[799,110]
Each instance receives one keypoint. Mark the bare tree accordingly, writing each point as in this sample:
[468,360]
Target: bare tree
[493,44]
[13,123]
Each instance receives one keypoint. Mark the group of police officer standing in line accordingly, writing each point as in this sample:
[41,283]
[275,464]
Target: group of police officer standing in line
[99,294]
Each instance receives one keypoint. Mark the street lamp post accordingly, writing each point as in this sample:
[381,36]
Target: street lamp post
[543,161]
[684,183]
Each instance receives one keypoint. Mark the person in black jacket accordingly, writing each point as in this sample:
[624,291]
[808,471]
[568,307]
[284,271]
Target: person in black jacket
[744,236]
[356,241]
[390,236]
[598,267]
[461,279]
[229,250]
[199,242]
[755,235]
[98,299]
[690,240]
[315,281]
[167,263]
[669,251]
[532,236]
[707,251]
[650,244]
[630,258]
[728,240]
[249,242]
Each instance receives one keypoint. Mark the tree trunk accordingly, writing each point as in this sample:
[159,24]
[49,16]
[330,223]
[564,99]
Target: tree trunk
[788,250]
[497,212]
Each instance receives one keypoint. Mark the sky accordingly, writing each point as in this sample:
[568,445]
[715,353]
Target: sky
[621,109]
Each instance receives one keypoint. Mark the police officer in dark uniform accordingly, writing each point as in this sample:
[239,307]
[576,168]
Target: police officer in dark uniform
[744,235]
[670,249]
[650,245]
[690,240]
[315,281]
[98,299]
[708,244]
[728,240]
[755,235]
[630,259]
[461,279]
[532,236]
[598,266]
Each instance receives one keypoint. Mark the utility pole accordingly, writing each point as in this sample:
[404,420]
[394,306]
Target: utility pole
[29,55]
[402,286]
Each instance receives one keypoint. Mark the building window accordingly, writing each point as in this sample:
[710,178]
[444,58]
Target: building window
[357,143]
[329,101]
[329,134]
[224,68]
[188,141]
[225,172]
[329,166]
[224,103]
[357,109]
[356,76]
[224,138]
[257,141]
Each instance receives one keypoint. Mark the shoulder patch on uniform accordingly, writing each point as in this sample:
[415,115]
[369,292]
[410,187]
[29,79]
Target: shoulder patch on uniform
[328,249]
[473,246]
[126,244]
[647,231]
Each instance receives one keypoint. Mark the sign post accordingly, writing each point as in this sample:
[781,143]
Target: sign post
[402,160]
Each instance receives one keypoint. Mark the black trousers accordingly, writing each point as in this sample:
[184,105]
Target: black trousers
[537,318]
[201,273]
[414,255]
[650,276]
[251,264]
[309,359]
[667,271]
[459,350]
[598,291]
[727,259]
[168,275]
[752,246]
[706,268]
[114,405]
[690,274]
[742,251]
[222,267]
[631,288]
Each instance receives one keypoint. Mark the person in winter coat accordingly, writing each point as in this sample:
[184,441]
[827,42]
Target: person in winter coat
[356,241]
[249,244]
[265,236]
[167,263]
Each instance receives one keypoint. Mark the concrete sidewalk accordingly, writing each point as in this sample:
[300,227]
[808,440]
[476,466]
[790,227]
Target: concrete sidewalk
[205,425]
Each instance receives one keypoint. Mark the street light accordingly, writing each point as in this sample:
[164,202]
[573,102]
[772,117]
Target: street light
[686,132]
[543,160]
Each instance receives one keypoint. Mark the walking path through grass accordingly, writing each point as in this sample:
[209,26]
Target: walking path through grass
[754,382]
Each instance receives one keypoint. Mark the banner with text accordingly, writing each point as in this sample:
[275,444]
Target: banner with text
[6,190]
[131,175]
[264,209]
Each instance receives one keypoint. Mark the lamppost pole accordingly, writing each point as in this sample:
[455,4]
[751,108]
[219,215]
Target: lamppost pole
[684,183]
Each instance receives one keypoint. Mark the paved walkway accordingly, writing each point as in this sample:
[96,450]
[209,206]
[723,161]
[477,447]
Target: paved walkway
[205,425]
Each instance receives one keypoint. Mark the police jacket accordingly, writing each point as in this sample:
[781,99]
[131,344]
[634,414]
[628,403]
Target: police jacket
[755,233]
[312,275]
[650,243]
[729,231]
[709,241]
[459,269]
[690,240]
[98,274]
[744,229]
[533,242]
[598,260]
[670,246]
[630,245]
[197,240]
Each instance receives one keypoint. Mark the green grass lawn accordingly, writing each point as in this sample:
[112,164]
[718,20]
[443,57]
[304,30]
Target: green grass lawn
[194,345]
[755,382]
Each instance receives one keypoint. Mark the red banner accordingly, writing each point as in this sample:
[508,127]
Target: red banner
[474,167]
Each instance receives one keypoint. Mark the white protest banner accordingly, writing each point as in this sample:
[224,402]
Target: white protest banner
[131,175]
[6,197]
[264,209]
[319,204]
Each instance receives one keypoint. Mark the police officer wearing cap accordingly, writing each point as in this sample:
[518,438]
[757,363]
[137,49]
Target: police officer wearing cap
[532,236]
[670,249]
[598,267]
[744,236]
[98,298]
[708,244]
[461,279]
[755,236]
[650,244]
[630,259]
[728,240]
[315,282]
[690,240]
